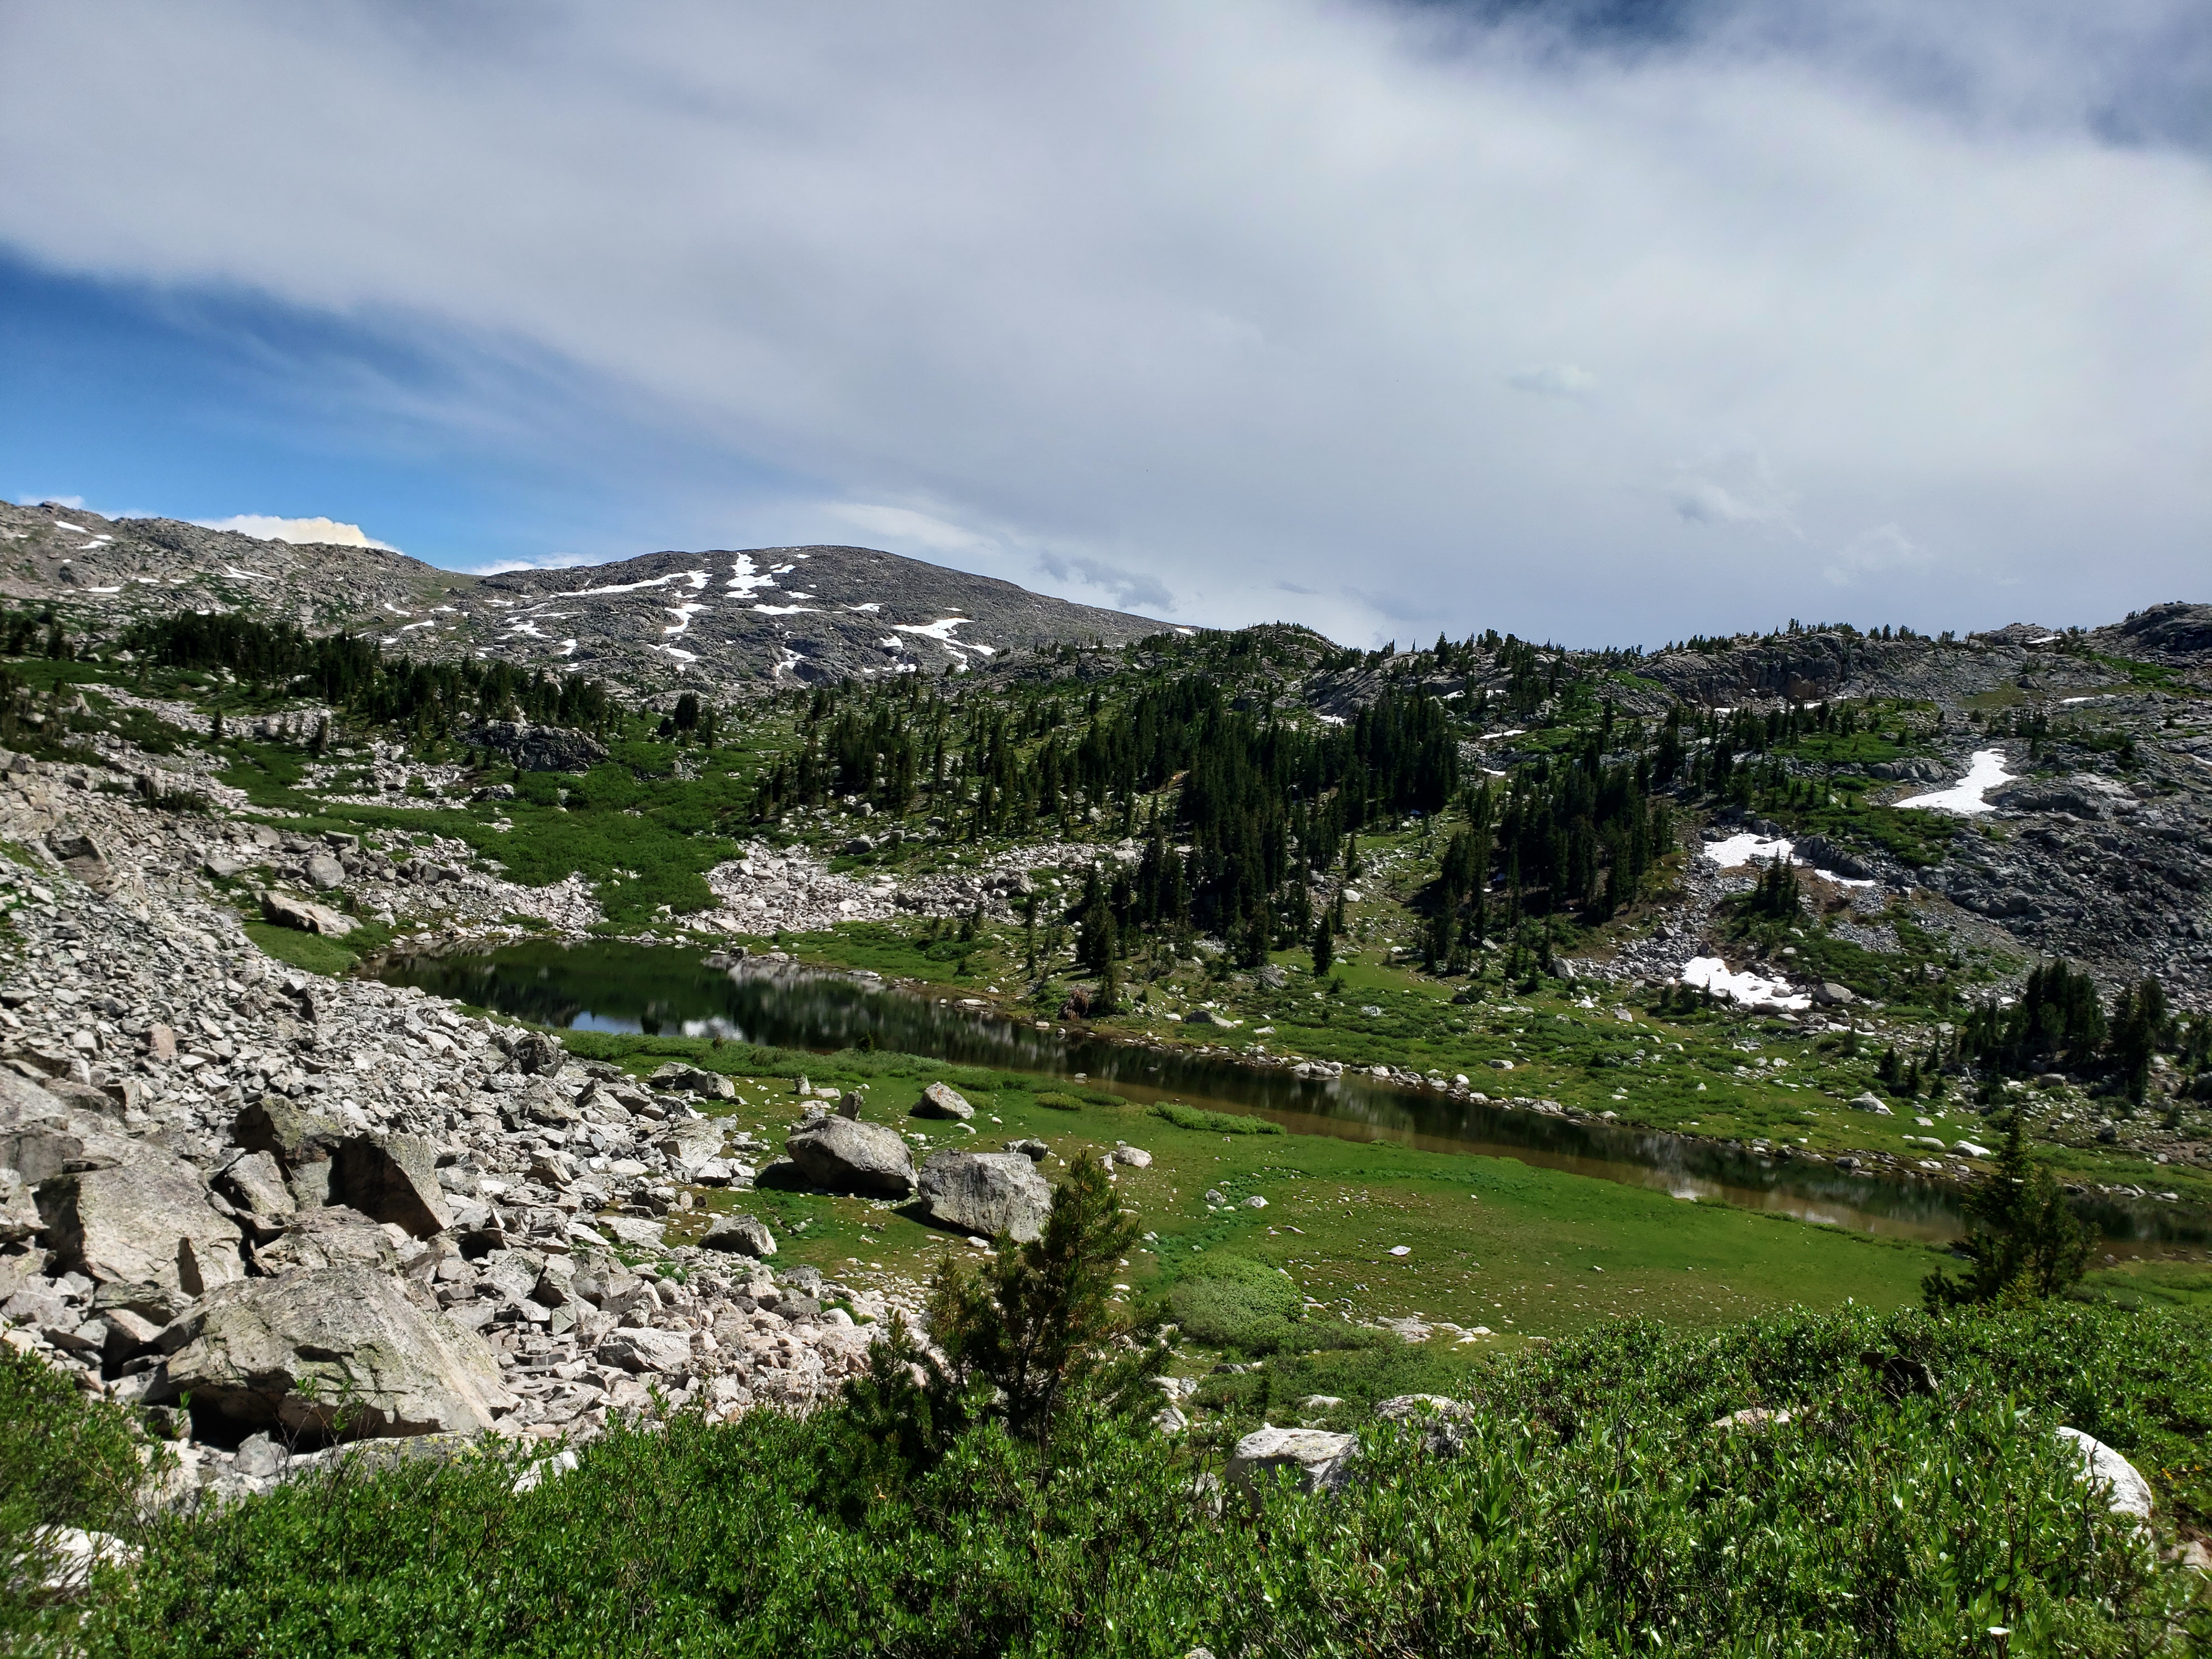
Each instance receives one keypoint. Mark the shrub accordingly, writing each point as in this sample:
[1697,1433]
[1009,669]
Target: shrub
[65,1461]
[1233,1302]
[1223,1123]
[1058,1102]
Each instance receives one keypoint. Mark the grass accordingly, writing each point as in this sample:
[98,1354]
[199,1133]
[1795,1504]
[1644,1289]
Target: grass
[1526,1251]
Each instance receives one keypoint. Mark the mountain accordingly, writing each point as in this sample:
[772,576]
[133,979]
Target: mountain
[719,621]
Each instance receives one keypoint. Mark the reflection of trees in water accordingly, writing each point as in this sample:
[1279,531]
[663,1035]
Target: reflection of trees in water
[656,988]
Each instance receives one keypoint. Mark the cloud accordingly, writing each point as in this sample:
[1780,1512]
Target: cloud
[547,561]
[326,531]
[1553,380]
[1738,488]
[1132,589]
[1878,551]
[1227,296]
[904,525]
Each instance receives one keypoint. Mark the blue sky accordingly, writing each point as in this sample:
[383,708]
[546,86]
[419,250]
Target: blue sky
[1601,321]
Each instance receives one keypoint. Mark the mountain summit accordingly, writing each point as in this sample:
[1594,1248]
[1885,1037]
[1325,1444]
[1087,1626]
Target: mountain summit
[717,621]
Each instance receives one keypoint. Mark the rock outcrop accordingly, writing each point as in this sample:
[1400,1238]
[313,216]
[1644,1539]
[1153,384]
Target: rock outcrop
[843,1156]
[341,1350]
[997,1195]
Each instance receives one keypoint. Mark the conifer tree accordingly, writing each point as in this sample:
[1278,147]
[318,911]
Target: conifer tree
[2026,1243]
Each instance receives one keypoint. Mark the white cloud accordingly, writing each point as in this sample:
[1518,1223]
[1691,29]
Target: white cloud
[1245,298]
[547,561]
[1553,380]
[904,525]
[321,531]
[1879,551]
[1733,489]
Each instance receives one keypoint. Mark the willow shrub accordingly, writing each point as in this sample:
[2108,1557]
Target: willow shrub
[1590,1507]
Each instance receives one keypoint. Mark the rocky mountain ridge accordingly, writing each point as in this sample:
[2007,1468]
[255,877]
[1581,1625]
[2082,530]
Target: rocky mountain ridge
[723,623]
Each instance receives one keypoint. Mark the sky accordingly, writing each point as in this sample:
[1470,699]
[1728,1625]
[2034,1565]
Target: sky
[1592,321]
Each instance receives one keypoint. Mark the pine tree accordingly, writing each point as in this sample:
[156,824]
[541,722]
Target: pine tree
[1324,949]
[2026,1243]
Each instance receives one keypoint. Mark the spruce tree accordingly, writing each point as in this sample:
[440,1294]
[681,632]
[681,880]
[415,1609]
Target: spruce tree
[1324,949]
[2026,1243]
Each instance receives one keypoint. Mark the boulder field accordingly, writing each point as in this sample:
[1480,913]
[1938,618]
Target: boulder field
[321,1209]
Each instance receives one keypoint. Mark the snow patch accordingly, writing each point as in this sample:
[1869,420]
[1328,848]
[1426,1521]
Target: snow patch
[253,576]
[941,631]
[698,579]
[872,605]
[1984,773]
[745,580]
[1712,974]
[104,590]
[787,610]
[683,613]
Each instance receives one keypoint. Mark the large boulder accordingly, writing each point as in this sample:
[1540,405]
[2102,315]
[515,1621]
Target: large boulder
[333,1236]
[2110,1476]
[746,1235]
[942,1100]
[842,1155]
[344,1349]
[145,1220]
[289,910]
[390,1177]
[540,748]
[987,1193]
[43,1135]
[387,1177]
[1316,1460]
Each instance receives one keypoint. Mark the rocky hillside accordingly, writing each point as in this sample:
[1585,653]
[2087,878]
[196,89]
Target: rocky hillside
[720,622]
[225,1180]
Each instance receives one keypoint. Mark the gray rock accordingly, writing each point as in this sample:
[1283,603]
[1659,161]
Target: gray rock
[1134,1158]
[993,1193]
[324,871]
[328,1237]
[742,1233]
[297,1350]
[539,748]
[942,1100]
[2125,1490]
[635,1231]
[643,1349]
[143,1221]
[1871,1103]
[844,1155]
[254,1182]
[390,1177]
[1034,1150]
[677,1078]
[1316,1460]
[288,910]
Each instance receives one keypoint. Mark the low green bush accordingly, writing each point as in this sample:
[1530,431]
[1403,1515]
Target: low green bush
[1233,1302]
[1058,1102]
[65,1461]
[1916,1501]
[1222,1123]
